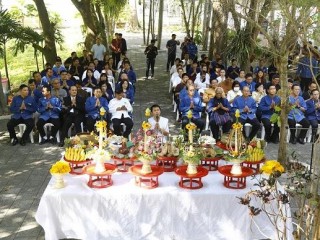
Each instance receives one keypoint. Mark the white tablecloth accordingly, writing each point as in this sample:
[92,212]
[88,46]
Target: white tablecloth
[127,212]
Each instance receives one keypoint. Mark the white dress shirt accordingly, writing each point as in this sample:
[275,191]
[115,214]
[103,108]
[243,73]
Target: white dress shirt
[115,103]
[201,85]
[232,94]
[163,124]
[96,75]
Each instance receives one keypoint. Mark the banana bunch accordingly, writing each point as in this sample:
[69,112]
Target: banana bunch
[254,154]
[75,154]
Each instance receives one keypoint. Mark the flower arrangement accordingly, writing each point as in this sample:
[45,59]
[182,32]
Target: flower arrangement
[61,167]
[192,155]
[272,167]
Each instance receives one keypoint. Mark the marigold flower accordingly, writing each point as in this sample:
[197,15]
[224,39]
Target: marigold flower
[272,166]
[60,167]
[147,113]
[191,126]
[146,125]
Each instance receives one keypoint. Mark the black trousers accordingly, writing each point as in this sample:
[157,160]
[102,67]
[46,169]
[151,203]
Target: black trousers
[116,59]
[215,128]
[150,64]
[170,62]
[303,132]
[117,128]
[90,122]
[68,119]
[54,129]
[304,84]
[268,127]
[255,126]
[197,121]
[15,122]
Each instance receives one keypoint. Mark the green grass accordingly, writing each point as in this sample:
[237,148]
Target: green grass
[20,66]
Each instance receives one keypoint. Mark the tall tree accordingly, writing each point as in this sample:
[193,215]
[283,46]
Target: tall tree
[191,13]
[160,23]
[49,29]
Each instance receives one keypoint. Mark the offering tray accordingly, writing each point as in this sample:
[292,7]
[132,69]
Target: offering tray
[168,163]
[149,180]
[212,163]
[100,180]
[76,166]
[191,181]
[123,164]
[235,181]
[254,165]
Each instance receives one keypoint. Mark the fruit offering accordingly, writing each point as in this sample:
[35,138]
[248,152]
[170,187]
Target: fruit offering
[255,151]
[75,154]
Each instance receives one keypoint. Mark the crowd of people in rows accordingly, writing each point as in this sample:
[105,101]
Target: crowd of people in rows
[208,86]
[74,92]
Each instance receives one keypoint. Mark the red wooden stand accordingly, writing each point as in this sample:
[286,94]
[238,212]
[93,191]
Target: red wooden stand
[255,166]
[168,163]
[123,164]
[100,180]
[211,163]
[149,180]
[235,181]
[76,166]
[191,181]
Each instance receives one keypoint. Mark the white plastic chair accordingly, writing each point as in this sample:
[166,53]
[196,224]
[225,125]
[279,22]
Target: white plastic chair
[47,127]
[247,129]
[22,128]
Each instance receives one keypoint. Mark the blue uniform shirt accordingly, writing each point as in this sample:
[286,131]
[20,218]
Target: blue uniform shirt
[265,104]
[54,112]
[92,110]
[29,102]
[185,106]
[312,113]
[251,86]
[241,102]
[296,114]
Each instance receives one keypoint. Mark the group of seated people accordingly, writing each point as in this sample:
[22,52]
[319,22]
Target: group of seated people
[61,97]
[219,93]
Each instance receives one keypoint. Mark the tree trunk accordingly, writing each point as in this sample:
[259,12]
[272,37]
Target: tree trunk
[160,23]
[206,24]
[6,64]
[150,19]
[212,31]
[49,50]
[134,16]
[90,21]
[144,21]
[185,20]
[3,99]
[281,64]
[217,24]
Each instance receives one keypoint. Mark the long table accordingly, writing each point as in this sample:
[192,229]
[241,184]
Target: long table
[127,212]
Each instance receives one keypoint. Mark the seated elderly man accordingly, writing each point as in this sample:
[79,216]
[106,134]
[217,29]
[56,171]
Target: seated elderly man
[49,108]
[120,109]
[22,108]
[191,102]
[159,124]
[93,105]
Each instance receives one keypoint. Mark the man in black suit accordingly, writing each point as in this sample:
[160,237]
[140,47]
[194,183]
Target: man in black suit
[73,112]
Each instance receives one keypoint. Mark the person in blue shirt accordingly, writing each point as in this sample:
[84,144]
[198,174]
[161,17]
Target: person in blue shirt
[46,80]
[307,70]
[49,108]
[191,102]
[33,91]
[218,108]
[92,106]
[313,112]
[58,67]
[248,82]
[247,107]
[22,108]
[267,107]
[296,115]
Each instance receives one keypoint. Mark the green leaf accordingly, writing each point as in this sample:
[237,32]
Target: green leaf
[274,118]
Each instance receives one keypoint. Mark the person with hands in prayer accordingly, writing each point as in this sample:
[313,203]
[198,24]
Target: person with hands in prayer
[159,124]
[92,107]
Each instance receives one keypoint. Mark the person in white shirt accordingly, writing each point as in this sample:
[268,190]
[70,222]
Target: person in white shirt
[96,73]
[98,50]
[222,76]
[120,107]
[202,80]
[159,125]
[241,77]
[177,79]
[234,92]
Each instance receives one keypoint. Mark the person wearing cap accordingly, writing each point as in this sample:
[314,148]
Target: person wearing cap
[22,108]
[172,50]
[151,52]
[98,50]
[92,106]
[120,109]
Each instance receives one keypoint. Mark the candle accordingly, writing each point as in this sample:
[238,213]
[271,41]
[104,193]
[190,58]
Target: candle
[190,136]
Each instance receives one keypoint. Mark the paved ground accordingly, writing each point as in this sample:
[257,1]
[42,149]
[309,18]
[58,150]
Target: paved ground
[24,171]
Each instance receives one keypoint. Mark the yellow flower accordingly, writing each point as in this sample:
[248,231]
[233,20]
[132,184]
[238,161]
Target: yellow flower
[147,113]
[60,167]
[101,125]
[146,125]
[191,126]
[237,114]
[189,114]
[272,166]
[237,125]
[102,111]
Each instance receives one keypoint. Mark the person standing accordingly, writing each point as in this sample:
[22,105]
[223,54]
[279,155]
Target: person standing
[98,50]
[116,50]
[123,45]
[22,107]
[307,70]
[151,52]
[172,50]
